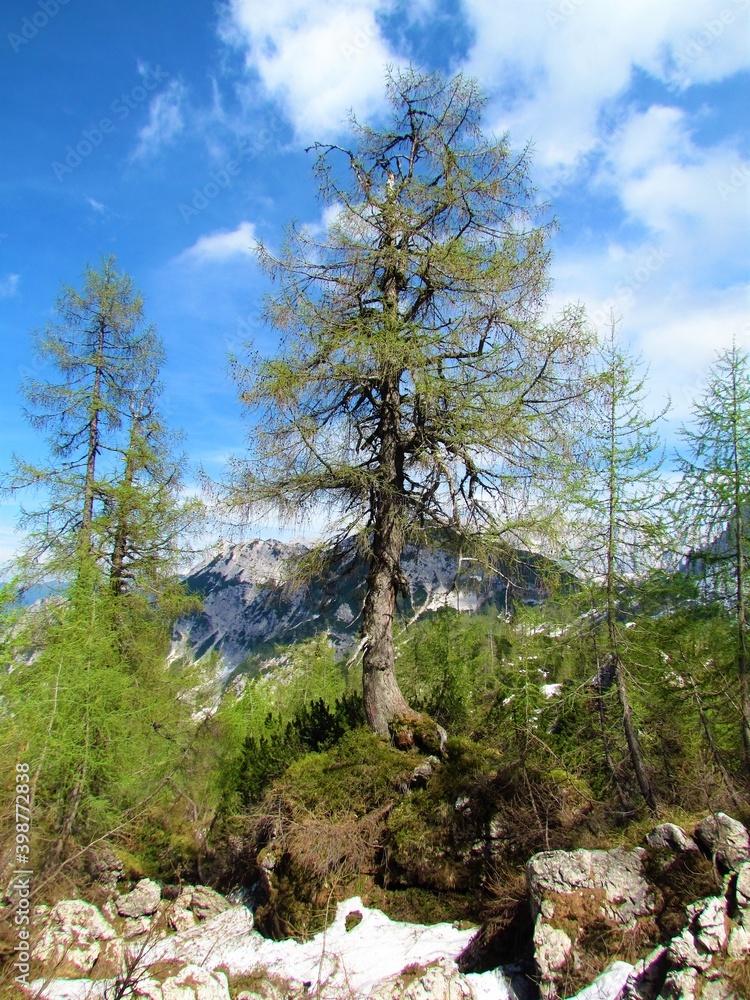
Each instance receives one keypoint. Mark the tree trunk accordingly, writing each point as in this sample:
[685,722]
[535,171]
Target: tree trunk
[382,696]
[119,545]
[92,450]
[743,654]
[631,736]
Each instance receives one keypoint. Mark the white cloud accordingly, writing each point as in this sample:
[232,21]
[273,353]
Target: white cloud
[9,285]
[223,244]
[692,198]
[320,58]
[165,120]
[572,60]
[96,205]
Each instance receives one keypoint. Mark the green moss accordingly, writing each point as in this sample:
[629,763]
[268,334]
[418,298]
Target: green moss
[358,775]
[423,906]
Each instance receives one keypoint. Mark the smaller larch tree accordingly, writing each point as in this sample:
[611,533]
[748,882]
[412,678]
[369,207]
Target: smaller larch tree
[619,497]
[714,501]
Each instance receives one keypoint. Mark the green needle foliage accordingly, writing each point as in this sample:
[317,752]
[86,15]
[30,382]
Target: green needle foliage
[620,499]
[714,500]
[87,699]
[416,390]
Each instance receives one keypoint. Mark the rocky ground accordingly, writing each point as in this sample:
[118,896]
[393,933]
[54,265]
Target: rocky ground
[666,921]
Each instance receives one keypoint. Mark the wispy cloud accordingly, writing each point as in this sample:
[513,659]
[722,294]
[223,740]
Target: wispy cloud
[9,285]
[222,244]
[571,62]
[165,120]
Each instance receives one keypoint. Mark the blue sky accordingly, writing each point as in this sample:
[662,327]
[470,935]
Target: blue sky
[172,134]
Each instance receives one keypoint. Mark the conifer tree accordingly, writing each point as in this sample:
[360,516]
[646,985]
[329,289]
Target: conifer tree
[416,390]
[111,487]
[619,498]
[98,349]
[714,500]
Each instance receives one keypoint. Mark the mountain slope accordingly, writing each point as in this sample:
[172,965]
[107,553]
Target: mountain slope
[250,606]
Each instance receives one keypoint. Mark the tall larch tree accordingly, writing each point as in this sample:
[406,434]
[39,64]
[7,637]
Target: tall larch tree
[416,390]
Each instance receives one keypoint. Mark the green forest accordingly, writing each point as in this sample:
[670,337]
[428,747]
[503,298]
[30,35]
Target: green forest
[421,393]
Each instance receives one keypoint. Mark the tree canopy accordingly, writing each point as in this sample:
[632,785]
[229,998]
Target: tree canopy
[417,387]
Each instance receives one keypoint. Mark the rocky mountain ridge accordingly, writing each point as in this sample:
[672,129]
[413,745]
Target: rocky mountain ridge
[251,604]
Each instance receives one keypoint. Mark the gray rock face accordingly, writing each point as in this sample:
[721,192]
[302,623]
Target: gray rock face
[194,904]
[141,902]
[725,839]
[103,865]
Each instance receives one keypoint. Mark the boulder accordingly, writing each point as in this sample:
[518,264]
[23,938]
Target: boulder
[670,837]
[75,938]
[441,981]
[647,977]
[194,904]
[103,866]
[206,903]
[725,840]
[576,893]
[143,901]
[615,878]
[742,888]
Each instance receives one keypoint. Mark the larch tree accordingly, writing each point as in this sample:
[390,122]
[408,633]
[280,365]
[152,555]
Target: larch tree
[98,350]
[714,500]
[110,490]
[416,390]
[619,498]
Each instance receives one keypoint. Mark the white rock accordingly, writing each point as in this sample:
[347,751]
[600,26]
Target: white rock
[135,927]
[441,981]
[617,872]
[743,884]
[69,989]
[210,943]
[679,985]
[739,943]
[195,983]
[647,975]
[141,902]
[206,903]
[73,938]
[711,930]
[725,839]
[551,947]
[609,985]
[683,953]
[671,837]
